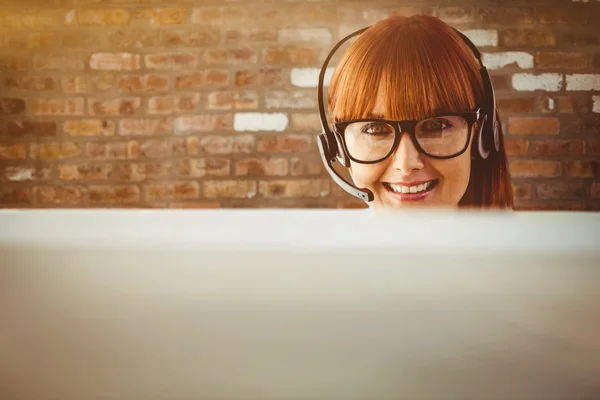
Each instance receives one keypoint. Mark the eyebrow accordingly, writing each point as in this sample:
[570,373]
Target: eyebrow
[376,116]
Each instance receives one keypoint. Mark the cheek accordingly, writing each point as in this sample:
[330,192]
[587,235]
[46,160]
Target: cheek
[456,173]
[366,174]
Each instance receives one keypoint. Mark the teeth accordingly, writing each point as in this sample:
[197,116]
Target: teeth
[410,189]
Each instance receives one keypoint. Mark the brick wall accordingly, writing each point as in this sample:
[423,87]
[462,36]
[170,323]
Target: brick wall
[181,103]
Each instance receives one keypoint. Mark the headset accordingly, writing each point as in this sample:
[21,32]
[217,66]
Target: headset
[330,142]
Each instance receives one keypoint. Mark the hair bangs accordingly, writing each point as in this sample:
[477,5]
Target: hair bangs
[420,69]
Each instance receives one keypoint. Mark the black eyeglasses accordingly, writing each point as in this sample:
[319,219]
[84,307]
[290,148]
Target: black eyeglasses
[371,140]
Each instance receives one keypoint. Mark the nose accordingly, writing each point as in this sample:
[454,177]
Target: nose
[407,158]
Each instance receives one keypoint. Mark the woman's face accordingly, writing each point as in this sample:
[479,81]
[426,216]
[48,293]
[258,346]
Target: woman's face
[428,181]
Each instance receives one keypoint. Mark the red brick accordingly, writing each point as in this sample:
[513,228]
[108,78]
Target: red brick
[534,126]
[204,123]
[521,191]
[219,16]
[306,123]
[58,62]
[527,38]
[133,38]
[456,15]
[229,189]
[261,77]
[561,190]
[262,167]
[284,143]
[516,105]
[114,107]
[86,84]
[33,18]
[230,56]
[534,168]
[137,172]
[32,83]
[171,191]
[244,35]
[114,151]
[201,167]
[583,168]
[582,125]
[16,195]
[12,151]
[50,151]
[14,63]
[306,166]
[560,60]
[596,190]
[79,39]
[163,16]
[103,16]
[197,80]
[592,146]
[227,100]
[294,188]
[11,106]
[59,195]
[25,173]
[33,40]
[226,144]
[84,172]
[171,61]
[115,61]
[516,147]
[290,56]
[89,127]
[574,16]
[278,16]
[55,107]
[561,104]
[578,39]
[501,82]
[156,149]
[162,105]
[507,16]
[31,128]
[143,83]
[146,127]
[556,147]
[121,194]
[195,38]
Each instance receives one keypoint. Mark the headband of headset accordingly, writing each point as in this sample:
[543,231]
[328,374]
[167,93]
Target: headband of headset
[330,144]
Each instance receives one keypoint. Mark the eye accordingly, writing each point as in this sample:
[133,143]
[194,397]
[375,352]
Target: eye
[375,128]
[436,124]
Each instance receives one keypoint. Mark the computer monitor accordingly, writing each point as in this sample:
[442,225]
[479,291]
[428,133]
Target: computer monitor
[298,304]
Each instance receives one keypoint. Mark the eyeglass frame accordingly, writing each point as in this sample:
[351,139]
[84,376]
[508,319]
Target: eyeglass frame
[408,126]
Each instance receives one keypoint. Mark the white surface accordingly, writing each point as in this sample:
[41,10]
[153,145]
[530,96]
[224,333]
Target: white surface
[472,232]
[265,304]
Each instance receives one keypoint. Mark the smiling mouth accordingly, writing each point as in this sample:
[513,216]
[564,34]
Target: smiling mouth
[416,191]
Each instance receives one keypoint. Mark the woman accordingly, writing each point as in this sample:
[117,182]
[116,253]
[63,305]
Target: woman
[415,120]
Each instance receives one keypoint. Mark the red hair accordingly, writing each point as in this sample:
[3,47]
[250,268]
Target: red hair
[423,67]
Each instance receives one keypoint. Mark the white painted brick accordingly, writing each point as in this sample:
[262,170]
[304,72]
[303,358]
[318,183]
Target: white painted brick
[315,35]
[287,99]
[596,106]
[482,37]
[309,77]
[583,82]
[501,60]
[255,122]
[530,82]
